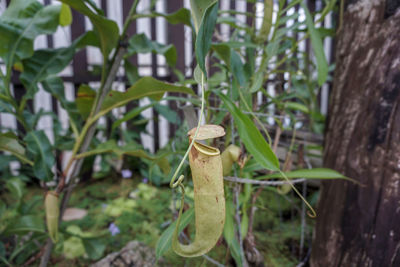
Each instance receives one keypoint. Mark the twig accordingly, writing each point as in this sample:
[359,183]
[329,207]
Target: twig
[34,258]
[263,183]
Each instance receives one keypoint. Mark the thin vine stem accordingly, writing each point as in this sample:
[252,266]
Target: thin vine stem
[174,184]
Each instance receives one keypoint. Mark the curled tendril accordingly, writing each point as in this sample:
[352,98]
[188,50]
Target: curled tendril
[311,213]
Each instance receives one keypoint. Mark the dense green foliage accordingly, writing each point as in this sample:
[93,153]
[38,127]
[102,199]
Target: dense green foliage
[237,69]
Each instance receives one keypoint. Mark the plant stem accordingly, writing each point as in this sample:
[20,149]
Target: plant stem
[84,139]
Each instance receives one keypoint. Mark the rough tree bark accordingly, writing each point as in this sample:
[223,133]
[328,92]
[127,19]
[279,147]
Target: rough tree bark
[360,226]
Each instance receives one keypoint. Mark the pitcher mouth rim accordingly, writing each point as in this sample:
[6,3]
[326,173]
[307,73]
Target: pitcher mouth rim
[205,149]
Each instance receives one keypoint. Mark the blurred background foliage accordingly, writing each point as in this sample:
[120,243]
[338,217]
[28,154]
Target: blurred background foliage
[273,67]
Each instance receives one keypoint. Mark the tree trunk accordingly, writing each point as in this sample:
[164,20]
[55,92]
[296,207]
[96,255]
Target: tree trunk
[360,226]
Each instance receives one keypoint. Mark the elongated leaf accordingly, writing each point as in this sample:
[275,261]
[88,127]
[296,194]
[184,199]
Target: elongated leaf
[316,173]
[21,23]
[139,43]
[232,60]
[112,147]
[131,114]
[237,68]
[106,29]
[40,149]
[9,142]
[267,21]
[164,243]
[199,8]
[25,224]
[318,48]
[204,35]
[145,87]
[229,227]
[251,137]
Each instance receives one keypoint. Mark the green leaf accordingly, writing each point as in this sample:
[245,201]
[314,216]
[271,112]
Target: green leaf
[229,227]
[318,48]
[47,62]
[40,149]
[139,43]
[168,113]
[65,15]
[25,224]
[9,142]
[16,187]
[297,106]
[42,64]
[251,137]
[131,72]
[237,68]
[111,146]
[164,243]
[131,114]
[199,8]
[232,60]
[235,250]
[204,35]
[94,247]
[55,86]
[316,173]
[21,23]
[181,16]
[84,100]
[267,21]
[106,29]
[145,87]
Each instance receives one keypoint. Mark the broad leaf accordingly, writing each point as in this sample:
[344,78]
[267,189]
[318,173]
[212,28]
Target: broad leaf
[181,16]
[9,142]
[40,149]
[21,23]
[145,87]
[84,100]
[65,15]
[251,137]
[318,47]
[94,247]
[168,113]
[165,241]
[55,86]
[25,224]
[107,30]
[204,35]
[16,187]
[139,43]
[48,62]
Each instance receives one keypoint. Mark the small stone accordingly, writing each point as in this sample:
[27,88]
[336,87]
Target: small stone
[71,214]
